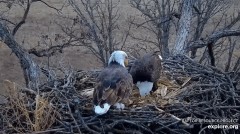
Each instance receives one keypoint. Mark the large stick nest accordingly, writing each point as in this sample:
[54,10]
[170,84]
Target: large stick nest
[187,90]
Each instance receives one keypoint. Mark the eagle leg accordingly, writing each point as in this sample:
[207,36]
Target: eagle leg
[155,87]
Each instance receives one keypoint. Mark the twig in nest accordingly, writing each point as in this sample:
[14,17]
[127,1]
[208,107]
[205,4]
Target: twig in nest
[29,90]
[134,123]
[50,130]
[173,116]
[70,112]
[86,126]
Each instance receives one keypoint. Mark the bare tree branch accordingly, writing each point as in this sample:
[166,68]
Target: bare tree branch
[30,68]
[48,5]
[158,17]
[26,12]
[8,21]
[99,19]
[206,9]
[23,19]
[232,45]
[214,38]
[236,67]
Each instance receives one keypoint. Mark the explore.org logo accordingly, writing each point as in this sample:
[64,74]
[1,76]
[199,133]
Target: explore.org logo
[223,126]
[214,123]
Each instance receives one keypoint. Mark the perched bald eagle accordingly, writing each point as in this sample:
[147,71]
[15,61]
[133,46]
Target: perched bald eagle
[114,84]
[146,72]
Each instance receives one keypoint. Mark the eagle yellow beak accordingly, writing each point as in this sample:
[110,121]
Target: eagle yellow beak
[126,62]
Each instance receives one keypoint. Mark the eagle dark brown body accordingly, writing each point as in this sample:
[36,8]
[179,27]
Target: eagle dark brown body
[146,70]
[114,85]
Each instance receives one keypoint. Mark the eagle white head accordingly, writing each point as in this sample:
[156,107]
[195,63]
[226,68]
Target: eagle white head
[119,57]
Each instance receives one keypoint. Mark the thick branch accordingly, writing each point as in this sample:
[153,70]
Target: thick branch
[30,69]
[46,52]
[184,27]
[214,38]
[52,50]
[211,54]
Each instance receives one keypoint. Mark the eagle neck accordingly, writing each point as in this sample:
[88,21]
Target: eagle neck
[117,63]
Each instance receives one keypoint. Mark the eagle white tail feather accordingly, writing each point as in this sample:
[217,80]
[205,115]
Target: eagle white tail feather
[144,87]
[100,111]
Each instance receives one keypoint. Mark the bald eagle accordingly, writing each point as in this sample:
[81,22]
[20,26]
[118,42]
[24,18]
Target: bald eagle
[146,72]
[114,84]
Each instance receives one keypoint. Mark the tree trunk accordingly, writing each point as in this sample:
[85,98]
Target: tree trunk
[184,27]
[30,69]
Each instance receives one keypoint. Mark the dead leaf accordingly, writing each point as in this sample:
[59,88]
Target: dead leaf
[164,91]
[141,102]
[87,92]
[167,82]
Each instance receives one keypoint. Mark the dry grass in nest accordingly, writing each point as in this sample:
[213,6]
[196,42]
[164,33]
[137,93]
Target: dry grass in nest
[26,113]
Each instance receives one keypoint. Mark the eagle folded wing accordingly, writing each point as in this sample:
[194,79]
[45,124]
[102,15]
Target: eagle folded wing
[146,72]
[113,86]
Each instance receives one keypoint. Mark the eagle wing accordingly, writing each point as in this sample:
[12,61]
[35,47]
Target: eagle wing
[146,68]
[157,67]
[114,85]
